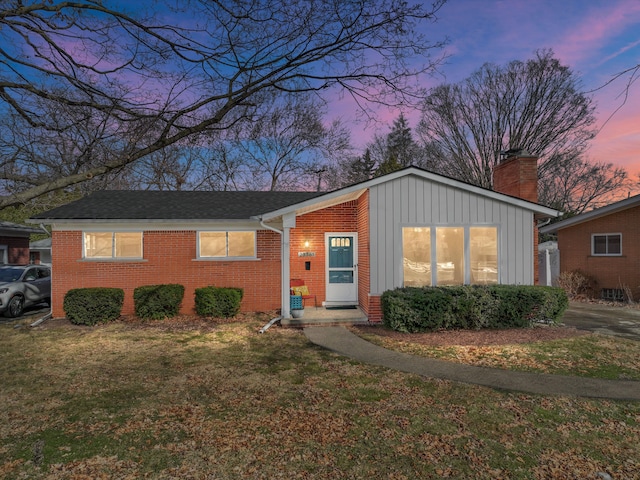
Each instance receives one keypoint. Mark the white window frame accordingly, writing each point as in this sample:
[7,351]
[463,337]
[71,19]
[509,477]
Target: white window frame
[467,248]
[227,257]
[607,235]
[113,245]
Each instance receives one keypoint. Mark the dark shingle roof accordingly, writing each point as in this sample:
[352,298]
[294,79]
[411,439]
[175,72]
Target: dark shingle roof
[18,229]
[175,205]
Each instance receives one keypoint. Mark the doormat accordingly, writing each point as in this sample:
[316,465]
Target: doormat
[342,307]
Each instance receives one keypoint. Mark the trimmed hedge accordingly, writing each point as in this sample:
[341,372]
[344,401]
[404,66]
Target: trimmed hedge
[218,302]
[90,306]
[158,302]
[414,309]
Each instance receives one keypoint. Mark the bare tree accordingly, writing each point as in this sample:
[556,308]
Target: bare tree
[288,145]
[535,105]
[175,167]
[156,80]
[575,185]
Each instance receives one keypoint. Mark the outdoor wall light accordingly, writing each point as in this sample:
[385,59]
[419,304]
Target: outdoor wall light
[306,244]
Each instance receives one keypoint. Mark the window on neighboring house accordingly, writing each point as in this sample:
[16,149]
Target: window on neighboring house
[113,245]
[606,244]
[227,244]
[457,261]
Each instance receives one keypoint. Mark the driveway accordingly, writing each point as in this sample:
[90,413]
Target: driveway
[618,321]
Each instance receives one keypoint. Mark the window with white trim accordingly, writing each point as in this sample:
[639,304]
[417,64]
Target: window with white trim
[416,256]
[606,244]
[453,255]
[227,244]
[112,245]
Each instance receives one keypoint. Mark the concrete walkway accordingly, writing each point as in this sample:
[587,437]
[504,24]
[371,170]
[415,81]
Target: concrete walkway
[343,342]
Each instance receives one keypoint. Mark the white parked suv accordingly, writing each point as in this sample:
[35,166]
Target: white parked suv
[22,286]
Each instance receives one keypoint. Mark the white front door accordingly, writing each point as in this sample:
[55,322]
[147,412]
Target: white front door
[342,264]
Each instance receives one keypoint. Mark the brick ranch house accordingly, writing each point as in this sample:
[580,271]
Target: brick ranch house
[410,227]
[603,244]
[14,244]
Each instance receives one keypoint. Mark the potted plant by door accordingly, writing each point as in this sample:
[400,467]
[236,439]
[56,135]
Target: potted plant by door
[296,306]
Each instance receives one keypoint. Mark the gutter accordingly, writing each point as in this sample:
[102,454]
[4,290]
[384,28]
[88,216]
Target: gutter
[268,227]
[277,319]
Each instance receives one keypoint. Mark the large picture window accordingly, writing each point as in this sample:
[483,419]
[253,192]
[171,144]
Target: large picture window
[416,256]
[113,245]
[483,255]
[449,255]
[227,244]
[606,244]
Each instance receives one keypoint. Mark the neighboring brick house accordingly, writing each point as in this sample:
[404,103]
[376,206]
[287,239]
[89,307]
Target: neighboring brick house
[349,246]
[14,243]
[605,245]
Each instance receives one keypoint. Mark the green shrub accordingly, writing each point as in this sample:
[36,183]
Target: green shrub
[555,302]
[471,307]
[218,302]
[89,306]
[157,302]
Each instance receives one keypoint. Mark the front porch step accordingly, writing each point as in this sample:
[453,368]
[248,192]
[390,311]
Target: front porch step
[322,322]
[322,316]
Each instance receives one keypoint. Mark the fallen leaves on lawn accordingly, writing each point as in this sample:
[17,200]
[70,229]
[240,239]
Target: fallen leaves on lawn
[543,349]
[192,401]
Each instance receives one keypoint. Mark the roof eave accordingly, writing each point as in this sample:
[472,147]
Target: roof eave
[336,196]
[593,214]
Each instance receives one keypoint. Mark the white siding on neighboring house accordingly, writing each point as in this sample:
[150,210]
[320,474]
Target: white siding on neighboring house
[413,201]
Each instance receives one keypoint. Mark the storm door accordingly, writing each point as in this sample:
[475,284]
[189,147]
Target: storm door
[342,264]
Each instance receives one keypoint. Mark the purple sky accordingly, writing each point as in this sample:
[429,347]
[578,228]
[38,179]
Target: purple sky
[596,38]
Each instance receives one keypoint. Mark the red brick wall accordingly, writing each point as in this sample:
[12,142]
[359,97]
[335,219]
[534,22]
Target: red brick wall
[364,256]
[17,249]
[574,244]
[311,227]
[518,177]
[169,257]
[375,309]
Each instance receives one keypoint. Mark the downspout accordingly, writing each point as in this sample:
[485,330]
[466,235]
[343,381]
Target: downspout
[268,227]
[281,232]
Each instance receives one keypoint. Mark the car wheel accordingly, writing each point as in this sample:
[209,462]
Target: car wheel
[15,307]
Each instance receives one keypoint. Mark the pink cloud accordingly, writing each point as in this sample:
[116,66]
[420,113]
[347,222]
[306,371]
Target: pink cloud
[586,39]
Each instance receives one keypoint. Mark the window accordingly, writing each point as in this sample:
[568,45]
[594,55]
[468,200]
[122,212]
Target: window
[483,253]
[606,244]
[113,245]
[450,256]
[459,255]
[416,256]
[227,244]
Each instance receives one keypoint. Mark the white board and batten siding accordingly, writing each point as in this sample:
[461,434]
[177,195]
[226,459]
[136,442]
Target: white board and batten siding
[414,201]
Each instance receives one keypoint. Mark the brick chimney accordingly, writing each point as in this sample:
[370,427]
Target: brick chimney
[517,175]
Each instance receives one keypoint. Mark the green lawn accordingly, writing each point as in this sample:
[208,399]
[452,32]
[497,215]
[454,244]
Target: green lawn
[160,401]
